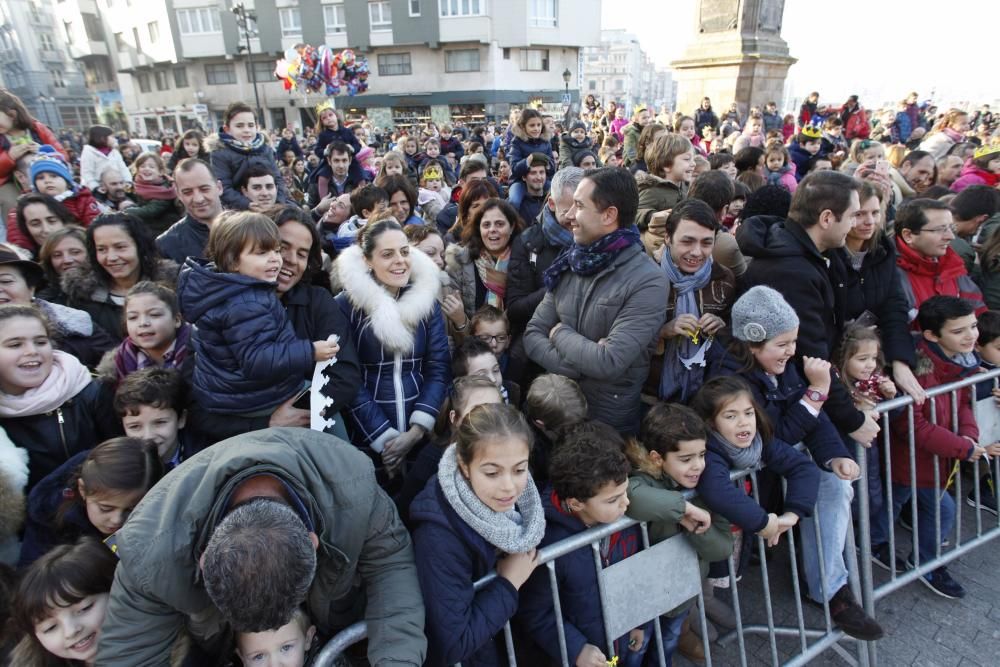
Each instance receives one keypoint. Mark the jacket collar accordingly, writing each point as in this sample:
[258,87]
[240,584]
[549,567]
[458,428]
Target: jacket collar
[950,265]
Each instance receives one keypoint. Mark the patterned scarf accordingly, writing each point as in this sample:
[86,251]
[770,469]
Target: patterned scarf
[494,276]
[515,532]
[590,259]
[743,458]
[553,232]
[159,190]
[241,146]
[683,359]
[130,358]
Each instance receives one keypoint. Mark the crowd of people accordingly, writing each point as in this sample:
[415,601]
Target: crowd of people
[522,330]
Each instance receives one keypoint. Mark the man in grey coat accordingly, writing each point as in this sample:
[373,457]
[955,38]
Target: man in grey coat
[605,303]
[246,531]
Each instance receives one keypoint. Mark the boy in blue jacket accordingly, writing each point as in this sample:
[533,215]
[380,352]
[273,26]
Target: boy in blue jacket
[588,487]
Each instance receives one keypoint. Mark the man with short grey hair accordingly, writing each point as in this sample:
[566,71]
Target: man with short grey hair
[112,191]
[248,530]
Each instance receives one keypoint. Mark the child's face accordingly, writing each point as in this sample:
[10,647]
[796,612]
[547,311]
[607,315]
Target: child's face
[191,146]
[486,366]
[498,472]
[873,153]
[774,354]
[255,262]
[863,362]
[495,334]
[285,647]
[329,119]
[242,126]
[737,421]
[51,184]
[755,127]
[433,184]
[433,247]
[686,464]
[729,169]
[432,149]
[958,335]
[150,324]
[612,161]
[161,425]
[393,167]
[682,169]
[687,129]
[994,165]
[775,161]
[835,130]
[990,352]
[607,506]
[579,134]
[533,128]
[107,510]
[736,206]
[410,146]
[25,354]
[148,171]
[72,632]
[812,147]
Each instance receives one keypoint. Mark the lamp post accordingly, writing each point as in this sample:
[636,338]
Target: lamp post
[566,75]
[243,18]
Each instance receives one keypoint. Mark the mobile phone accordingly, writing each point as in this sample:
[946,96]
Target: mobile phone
[302,400]
[882,166]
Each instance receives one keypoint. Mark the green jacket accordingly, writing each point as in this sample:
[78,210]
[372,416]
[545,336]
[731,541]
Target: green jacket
[365,562]
[630,146]
[655,194]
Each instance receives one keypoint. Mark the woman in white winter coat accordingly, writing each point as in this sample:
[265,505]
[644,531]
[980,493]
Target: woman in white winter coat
[100,153]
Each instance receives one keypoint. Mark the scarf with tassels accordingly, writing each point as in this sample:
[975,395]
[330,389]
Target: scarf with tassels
[590,259]
[493,275]
[244,147]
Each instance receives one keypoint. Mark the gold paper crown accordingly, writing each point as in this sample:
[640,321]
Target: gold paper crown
[432,172]
[812,132]
[638,108]
[983,151]
[323,106]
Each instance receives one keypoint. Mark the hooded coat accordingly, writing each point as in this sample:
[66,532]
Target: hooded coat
[655,194]
[364,571]
[973,175]
[248,356]
[402,347]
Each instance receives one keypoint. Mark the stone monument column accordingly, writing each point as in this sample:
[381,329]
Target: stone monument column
[738,55]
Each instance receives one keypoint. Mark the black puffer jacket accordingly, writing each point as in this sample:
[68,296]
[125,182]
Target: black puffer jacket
[530,254]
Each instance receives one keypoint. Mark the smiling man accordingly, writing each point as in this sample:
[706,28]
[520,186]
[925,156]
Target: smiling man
[201,194]
[604,302]
[258,186]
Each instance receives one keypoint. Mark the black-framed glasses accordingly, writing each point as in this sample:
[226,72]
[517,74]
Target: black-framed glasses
[502,338]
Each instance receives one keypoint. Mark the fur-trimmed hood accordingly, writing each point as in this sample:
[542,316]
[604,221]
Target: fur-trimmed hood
[519,133]
[644,179]
[81,283]
[393,321]
[13,479]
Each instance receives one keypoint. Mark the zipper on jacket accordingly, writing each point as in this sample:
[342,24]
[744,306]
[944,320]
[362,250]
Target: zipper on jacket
[397,384]
[62,431]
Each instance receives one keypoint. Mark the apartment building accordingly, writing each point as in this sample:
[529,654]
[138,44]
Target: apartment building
[617,69]
[179,63]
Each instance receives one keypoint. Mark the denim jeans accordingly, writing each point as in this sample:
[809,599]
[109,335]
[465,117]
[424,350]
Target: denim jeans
[927,501]
[833,511]
[630,658]
[516,194]
[671,630]
[877,510]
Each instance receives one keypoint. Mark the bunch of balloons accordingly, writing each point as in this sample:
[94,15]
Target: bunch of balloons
[320,70]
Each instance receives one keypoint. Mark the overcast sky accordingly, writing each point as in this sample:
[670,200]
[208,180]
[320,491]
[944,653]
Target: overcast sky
[853,46]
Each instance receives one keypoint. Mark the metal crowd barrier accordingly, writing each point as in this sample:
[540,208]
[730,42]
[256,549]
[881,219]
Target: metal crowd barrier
[630,597]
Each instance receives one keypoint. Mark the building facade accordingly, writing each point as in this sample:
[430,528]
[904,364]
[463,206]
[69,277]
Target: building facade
[179,63]
[619,70]
[35,65]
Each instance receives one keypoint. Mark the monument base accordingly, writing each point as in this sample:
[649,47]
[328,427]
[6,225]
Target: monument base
[745,79]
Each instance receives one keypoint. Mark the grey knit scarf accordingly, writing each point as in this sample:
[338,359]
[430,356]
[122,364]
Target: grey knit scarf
[514,532]
[743,458]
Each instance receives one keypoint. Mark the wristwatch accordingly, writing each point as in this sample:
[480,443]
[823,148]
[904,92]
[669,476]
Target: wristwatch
[816,395]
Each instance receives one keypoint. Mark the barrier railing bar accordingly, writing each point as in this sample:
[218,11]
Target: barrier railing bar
[765,578]
[661,654]
[864,510]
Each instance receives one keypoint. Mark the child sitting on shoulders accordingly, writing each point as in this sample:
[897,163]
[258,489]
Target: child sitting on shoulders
[152,404]
[432,156]
[433,195]
[249,360]
[530,137]
[238,146]
[156,199]
[668,458]
[294,644]
[588,487]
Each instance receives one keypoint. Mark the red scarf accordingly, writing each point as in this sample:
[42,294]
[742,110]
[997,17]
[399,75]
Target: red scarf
[159,190]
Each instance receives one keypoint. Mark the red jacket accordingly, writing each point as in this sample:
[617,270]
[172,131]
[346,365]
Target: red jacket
[82,205]
[857,126]
[923,277]
[41,135]
[930,439]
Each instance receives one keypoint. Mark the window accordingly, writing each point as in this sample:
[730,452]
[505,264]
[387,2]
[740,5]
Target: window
[119,41]
[394,64]
[92,25]
[45,39]
[57,78]
[68,27]
[262,71]
[333,17]
[380,15]
[414,7]
[135,38]
[592,85]
[153,27]
[535,60]
[143,80]
[161,80]
[198,21]
[464,60]
[180,77]
[220,74]
[291,21]
[542,13]
[462,7]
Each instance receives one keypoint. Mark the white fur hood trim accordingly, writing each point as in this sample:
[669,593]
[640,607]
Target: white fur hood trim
[393,321]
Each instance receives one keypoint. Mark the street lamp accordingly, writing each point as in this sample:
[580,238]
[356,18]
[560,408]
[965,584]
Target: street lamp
[243,18]
[566,98]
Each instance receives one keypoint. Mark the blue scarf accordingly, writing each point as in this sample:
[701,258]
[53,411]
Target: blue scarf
[587,260]
[683,361]
[553,232]
[241,146]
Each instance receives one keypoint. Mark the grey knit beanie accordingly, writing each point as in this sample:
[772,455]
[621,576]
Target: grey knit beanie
[761,314]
